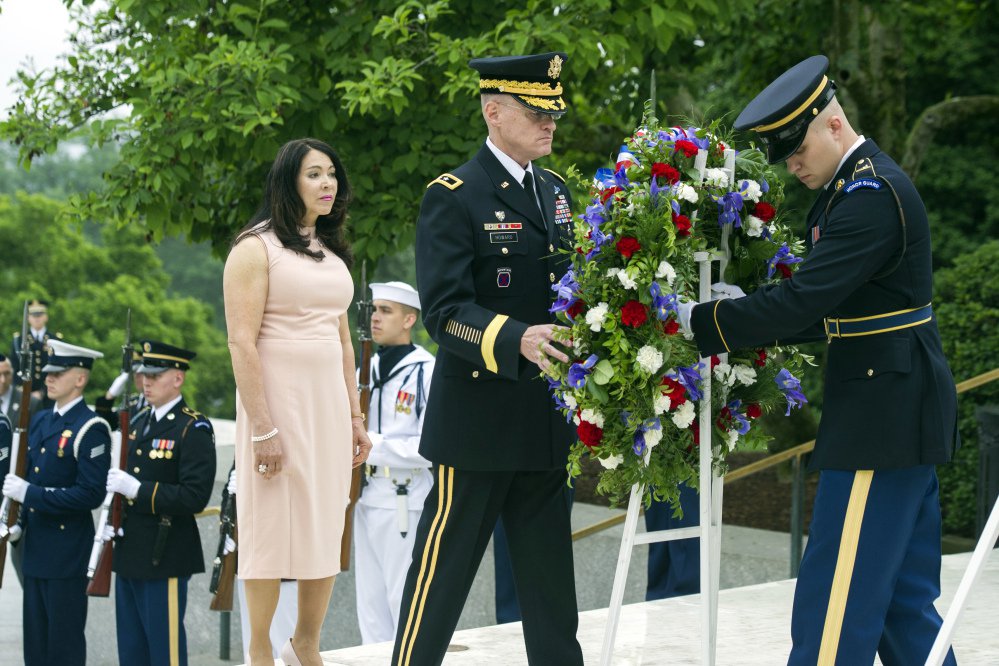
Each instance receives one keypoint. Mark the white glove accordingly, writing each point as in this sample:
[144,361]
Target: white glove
[108,533]
[122,483]
[720,290]
[118,385]
[14,534]
[229,547]
[231,486]
[683,309]
[15,487]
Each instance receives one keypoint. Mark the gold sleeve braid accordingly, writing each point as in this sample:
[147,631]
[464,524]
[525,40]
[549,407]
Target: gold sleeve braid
[463,331]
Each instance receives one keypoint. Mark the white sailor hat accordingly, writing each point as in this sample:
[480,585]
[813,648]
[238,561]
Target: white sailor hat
[397,292]
[63,356]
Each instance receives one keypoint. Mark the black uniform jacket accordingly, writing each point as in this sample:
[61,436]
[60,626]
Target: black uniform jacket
[485,264]
[889,398]
[175,462]
[40,356]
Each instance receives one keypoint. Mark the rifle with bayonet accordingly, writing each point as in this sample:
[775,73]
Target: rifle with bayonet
[364,308]
[99,567]
[224,565]
[10,509]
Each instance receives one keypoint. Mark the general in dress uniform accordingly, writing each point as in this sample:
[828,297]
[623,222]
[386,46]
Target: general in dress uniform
[397,477]
[871,570]
[168,479]
[487,254]
[38,317]
[68,457]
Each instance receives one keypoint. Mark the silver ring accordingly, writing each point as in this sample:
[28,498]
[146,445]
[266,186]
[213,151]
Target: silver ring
[262,469]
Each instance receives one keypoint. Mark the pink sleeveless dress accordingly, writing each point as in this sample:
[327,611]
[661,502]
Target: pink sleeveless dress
[291,525]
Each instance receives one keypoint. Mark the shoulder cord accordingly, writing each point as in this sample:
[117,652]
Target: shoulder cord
[84,430]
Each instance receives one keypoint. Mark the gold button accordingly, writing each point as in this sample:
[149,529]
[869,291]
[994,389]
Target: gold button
[551,276]
[62,527]
[130,502]
[43,449]
[36,470]
[870,372]
[135,469]
[475,373]
[505,251]
[31,510]
[551,248]
[138,452]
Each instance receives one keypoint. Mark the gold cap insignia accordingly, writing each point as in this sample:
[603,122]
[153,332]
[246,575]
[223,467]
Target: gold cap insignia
[555,67]
[147,347]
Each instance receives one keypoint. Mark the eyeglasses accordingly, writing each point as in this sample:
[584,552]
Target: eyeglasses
[537,117]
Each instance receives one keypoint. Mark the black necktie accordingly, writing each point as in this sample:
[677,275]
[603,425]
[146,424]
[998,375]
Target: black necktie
[150,422]
[532,193]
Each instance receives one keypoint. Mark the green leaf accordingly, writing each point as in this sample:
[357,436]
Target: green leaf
[603,371]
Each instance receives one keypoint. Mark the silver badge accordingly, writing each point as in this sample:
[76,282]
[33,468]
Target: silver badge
[500,215]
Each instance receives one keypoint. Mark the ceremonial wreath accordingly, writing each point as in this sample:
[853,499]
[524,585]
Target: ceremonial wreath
[634,378]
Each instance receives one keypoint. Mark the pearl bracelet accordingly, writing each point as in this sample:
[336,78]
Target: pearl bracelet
[264,438]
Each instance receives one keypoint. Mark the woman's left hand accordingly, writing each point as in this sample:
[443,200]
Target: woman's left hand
[361,443]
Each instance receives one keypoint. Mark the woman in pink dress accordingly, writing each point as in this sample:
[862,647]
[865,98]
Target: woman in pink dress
[299,428]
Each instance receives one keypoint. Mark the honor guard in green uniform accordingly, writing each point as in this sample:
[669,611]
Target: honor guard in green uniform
[168,479]
[487,254]
[871,570]
[38,319]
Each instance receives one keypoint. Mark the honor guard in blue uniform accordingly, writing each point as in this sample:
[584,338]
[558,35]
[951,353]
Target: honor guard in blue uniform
[871,570]
[69,450]
[487,254]
[38,319]
[168,479]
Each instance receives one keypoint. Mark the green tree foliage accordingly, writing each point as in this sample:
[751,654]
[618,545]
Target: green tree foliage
[91,285]
[203,93]
[967,307]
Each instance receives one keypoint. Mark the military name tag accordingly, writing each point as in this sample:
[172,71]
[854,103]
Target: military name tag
[503,237]
[496,226]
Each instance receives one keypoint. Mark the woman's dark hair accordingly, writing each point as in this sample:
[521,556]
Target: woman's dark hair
[283,208]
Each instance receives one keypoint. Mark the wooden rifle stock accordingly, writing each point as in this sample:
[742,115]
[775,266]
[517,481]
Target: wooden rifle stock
[100,582]
[364,393]
[222,595]
[23,419]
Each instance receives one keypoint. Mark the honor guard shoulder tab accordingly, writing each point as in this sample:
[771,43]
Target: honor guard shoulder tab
[447,180]
[559,176]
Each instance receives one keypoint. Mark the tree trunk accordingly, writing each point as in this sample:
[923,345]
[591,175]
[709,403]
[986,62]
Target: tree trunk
[939,117]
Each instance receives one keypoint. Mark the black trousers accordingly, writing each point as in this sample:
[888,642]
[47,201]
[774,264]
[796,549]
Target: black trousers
[457,521]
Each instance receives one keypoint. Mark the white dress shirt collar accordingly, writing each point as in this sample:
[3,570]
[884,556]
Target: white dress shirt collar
[162,411]
[61,411]
[510,164]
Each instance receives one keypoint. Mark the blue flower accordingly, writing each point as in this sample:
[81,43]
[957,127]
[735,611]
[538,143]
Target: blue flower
[743,423]
[663,305]
[690,379]
[594,215]
[783,256]
[729,206]
[579,371]
[791,388]
[599,239]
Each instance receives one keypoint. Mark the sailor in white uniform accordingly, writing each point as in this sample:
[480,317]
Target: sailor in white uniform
[397,477]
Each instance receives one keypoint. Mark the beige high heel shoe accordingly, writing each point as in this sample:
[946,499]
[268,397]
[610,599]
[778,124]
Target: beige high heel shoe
[288,655]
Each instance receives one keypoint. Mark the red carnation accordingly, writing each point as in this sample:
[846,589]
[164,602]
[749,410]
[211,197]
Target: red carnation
[715,361]
[695,430]
[575,309]
[633,314]
[721,148]
[753,411]
[682,223]
[764,211]
[675,391]
[785,270]
[671,327]
[688,148]
[628,246]
[579,250]
[666,171]
[589,434]
[761,357]
[606,194]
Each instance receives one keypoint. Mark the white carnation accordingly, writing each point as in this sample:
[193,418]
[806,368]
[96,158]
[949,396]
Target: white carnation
[667,271]
[595,316]
[686,192]
[593,416]
[718,177]
[611,462]
[652,437]
[627,281]
[752,190]
[753,226]
[723,373]
[662,403]
[579,346]
[684,415]
[649,358]
[733,437]
[611,272]
[744,374]
[570,401]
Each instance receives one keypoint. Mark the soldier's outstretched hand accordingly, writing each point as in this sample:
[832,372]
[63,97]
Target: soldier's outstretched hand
[538,344]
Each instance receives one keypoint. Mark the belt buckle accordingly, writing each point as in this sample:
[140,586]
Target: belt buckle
[829,332]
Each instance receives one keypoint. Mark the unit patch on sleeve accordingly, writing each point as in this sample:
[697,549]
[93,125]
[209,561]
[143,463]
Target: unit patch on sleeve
[860,183]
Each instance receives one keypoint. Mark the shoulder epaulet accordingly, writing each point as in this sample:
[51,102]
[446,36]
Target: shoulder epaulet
[193,413]
[559,176]
[863,167]
[447,180]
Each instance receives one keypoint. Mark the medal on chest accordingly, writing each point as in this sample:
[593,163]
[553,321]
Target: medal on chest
[63,441]
[404,402]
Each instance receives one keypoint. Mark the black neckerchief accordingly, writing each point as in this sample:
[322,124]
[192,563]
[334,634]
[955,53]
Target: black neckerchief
[389,357]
